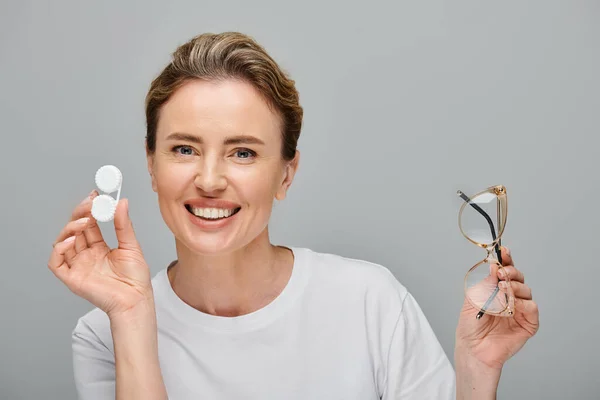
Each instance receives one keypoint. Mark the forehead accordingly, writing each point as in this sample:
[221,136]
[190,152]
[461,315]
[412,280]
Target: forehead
[214,109]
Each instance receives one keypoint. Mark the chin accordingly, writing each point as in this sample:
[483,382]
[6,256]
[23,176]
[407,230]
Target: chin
[207,243]
[210,248]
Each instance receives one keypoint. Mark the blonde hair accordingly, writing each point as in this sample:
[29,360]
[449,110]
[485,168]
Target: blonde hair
[228,55]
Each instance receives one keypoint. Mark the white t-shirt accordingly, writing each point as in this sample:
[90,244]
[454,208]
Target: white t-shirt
[341,329]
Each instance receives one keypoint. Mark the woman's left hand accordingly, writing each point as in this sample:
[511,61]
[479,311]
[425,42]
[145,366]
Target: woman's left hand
[492,340]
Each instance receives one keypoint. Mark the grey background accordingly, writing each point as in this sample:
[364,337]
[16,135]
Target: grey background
[405,103]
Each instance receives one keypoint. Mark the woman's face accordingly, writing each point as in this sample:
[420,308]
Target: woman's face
[217,166]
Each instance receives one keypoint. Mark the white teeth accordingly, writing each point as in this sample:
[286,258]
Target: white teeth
[212,213]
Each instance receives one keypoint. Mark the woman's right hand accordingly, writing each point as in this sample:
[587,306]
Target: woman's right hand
[114,280]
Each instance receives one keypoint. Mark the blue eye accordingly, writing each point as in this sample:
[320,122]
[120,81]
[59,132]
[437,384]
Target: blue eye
[245,153]
[187,150]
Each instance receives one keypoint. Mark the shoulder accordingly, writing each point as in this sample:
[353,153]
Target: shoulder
[93,326]
[354,275]
[350,270]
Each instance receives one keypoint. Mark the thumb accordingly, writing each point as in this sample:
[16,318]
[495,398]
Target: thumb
[124,227]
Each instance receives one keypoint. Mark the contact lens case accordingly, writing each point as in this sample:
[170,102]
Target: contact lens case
[108,180]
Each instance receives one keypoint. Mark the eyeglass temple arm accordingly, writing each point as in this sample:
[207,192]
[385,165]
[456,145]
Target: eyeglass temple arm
[497,248]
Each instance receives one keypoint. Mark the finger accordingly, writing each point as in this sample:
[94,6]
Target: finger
[494,268]
[92,233]
[71,229]
[529,316]
[506,256]
[124,227]
[513,274]
[78,213]
[57,262]
[520,290]
[74,228]
[80,242]
[531,309]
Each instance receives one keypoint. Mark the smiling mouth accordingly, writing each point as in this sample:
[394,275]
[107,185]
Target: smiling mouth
[212,214]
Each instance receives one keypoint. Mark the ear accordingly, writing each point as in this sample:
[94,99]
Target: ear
[150,161]
[288,176]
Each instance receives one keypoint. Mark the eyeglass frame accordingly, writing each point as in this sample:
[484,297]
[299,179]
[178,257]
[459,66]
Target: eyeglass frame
[498,191]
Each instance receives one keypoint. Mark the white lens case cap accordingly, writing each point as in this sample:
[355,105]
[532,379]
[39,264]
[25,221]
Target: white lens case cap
[108,179]
[103,208]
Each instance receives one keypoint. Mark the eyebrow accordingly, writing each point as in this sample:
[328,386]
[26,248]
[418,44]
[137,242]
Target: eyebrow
[238,139]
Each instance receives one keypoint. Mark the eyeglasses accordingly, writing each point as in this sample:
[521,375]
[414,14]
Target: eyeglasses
[482,288]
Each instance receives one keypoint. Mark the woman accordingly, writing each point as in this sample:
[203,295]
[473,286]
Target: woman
[236,317]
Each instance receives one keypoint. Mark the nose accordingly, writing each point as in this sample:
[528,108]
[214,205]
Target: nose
[210,176]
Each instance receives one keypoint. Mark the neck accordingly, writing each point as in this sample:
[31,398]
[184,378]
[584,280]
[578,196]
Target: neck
[233,283]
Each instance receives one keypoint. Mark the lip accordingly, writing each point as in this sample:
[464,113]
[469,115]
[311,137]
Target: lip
[211,203]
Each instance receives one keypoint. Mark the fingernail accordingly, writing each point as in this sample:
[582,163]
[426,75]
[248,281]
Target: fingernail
[92,193]
[502,284]
[82,221]
[507,251]
[69,239]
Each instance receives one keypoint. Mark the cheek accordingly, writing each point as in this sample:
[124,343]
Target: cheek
[256,185]
[172,178]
